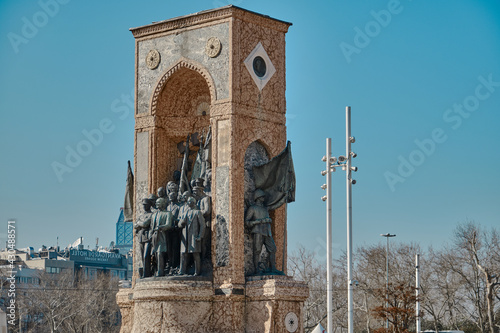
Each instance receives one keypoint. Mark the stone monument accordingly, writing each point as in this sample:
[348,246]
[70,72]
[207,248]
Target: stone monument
[210,132]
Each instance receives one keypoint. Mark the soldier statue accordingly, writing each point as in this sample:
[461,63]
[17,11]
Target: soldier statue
[161,221]
[173,235]
[142,231]
[193,228]
[204,204]
[258,220]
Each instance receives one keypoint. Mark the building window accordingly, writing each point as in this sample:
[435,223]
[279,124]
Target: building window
[53,270]
[92,274]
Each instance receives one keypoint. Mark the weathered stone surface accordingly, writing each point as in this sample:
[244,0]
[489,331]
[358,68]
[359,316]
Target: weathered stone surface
[188,44]
[222,209]
[270,299]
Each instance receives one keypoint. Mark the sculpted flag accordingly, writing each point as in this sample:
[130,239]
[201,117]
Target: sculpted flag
[277,178]
[128,205]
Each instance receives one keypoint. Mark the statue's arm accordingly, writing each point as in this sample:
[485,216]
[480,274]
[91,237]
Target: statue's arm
[249,217]
[143,224]
[207,206]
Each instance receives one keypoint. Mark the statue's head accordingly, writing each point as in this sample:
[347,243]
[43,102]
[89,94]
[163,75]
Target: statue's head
[161,203]
[146,203]
[172,196]
[161,192]
[191,202]
[198,187]
[152,200]
[259,195]
[172,187]
[185,196]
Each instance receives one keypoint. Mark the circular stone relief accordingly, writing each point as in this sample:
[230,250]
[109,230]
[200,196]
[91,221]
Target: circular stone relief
[291,322]
[153,59]
[212,49]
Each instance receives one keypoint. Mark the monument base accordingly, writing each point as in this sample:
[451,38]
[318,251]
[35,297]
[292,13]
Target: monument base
[261,305]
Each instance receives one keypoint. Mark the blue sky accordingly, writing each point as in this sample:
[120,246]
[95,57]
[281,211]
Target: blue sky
[422,78]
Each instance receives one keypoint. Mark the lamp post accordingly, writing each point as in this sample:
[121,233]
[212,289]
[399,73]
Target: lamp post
[349,181]
[388,235]
[345,163]
[328,198]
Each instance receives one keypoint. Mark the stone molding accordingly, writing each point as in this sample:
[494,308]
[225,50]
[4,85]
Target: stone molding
[208,16]
[277,289]
[144,122]
[173,289]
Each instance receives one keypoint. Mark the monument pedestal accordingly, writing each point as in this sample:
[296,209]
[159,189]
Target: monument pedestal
[165,305]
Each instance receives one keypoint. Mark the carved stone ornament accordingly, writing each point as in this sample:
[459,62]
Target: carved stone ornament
[291,322]
[153,59]
[212,49]
[259,66]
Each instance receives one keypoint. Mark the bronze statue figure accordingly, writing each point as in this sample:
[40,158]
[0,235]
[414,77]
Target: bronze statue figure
[173,235]
[142,231]
[193,225]
[204,204]
[258,220]
[161,221]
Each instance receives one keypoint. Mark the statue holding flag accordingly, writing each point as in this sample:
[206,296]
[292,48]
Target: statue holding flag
[257,218]
[274,186]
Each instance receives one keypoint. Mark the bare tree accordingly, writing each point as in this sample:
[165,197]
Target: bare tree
[441,295]
[370,272]
[304,266]
[67,303]
[481,250]
[459,285]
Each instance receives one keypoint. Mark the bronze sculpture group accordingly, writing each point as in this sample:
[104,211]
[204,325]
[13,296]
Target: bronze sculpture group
[171,232]
[174,229]
[174,232]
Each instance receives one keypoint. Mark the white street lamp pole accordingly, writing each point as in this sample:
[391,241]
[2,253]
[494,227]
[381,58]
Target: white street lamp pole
[331,164]
[387,275]
[349,183]
[329,281]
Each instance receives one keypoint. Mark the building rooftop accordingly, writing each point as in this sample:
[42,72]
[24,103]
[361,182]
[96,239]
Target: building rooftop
[206,16]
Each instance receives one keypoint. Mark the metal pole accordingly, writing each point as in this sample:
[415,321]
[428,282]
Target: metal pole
[349,219]
[417,290]
[387,275]
[387,282]
[329,235]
